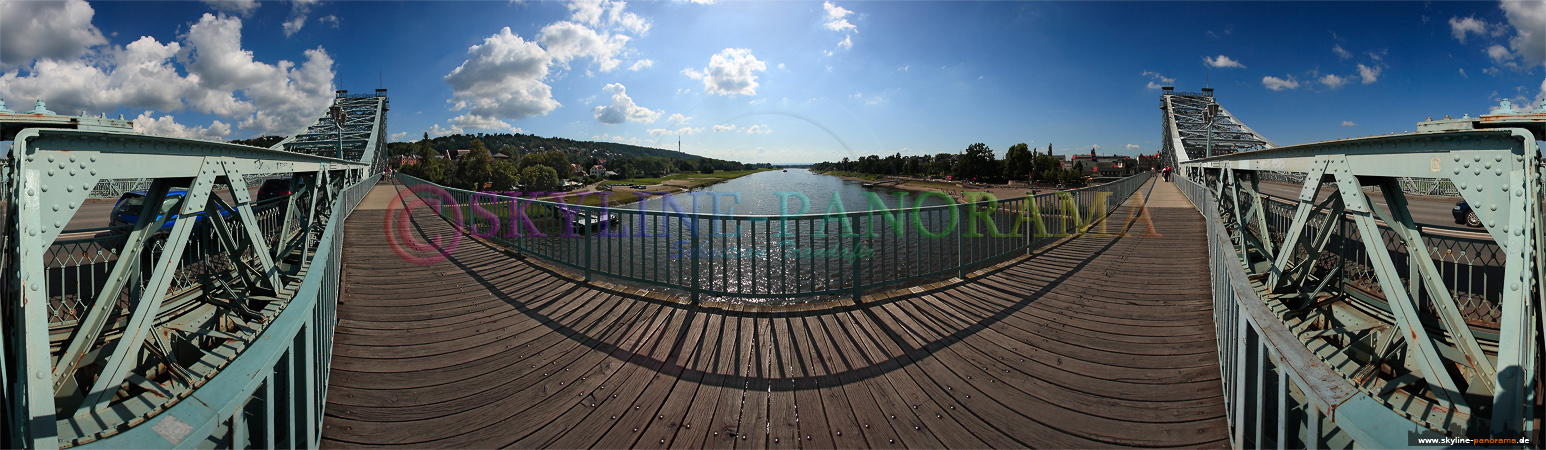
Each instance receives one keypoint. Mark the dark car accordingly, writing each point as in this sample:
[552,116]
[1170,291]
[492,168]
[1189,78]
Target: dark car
[278,187]
[1464,214]
[127,210]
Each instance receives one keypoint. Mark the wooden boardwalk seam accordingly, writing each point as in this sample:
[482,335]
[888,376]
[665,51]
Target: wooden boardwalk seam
[1098,341]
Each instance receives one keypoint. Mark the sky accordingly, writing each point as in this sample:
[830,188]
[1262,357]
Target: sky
[777,81]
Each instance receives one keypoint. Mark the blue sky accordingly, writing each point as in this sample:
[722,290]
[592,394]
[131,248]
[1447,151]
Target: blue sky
[777,81]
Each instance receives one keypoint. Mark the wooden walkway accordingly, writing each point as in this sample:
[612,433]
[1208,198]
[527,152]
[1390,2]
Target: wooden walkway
[1096,342]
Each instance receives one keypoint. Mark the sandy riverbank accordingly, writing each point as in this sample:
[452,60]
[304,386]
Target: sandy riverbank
[955,190]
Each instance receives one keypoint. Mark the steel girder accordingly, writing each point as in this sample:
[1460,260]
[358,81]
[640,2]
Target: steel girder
[134,369]
[1498,171]
[360,137]
[1186,132]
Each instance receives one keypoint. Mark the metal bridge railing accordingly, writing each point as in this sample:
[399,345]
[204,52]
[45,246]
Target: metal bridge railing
[780,258]
[1276,390]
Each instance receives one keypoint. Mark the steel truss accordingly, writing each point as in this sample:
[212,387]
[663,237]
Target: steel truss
[1186,132]
[1403,343]
[105,330]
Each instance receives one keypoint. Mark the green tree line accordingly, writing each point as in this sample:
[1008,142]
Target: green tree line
[976,163]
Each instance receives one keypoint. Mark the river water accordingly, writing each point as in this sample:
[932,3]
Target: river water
[776,237]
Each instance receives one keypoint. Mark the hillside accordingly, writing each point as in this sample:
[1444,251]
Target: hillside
[529,143]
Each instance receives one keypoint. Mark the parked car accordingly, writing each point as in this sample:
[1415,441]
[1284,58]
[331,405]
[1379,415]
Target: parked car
[1464,214]
[278,187]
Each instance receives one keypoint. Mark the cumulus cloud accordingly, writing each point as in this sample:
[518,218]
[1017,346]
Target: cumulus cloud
[222,79]
[1333,81]
[719,128]
[167,126]
[1529,22]
[641,65]
[503,77]
[1341,52]
[242,8]
[611,14]
[1278,84]
[1370,74]
[847,43]
[329,20]
[1223,62]
[622,109]
[477,122]
[1132,146]
[399,136]
[732,71]
[566,41]
[837,18]
[1157,80]
[36,29]
[1460,27]
[435,130]
[1499,54]
[1349,123]
[1462,73]
[754,129]
[294,25]
[678,119]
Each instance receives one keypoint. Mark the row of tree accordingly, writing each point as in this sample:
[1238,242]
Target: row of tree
[478,171]
[976,163]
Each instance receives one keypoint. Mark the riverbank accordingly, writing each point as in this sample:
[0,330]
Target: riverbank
[671,184]
[955,190]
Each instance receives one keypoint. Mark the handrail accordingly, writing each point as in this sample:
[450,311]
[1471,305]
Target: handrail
[789,257]
[1321,400]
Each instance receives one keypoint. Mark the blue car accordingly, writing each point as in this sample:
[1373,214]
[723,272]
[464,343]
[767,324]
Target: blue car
[127,211]
[1464,214]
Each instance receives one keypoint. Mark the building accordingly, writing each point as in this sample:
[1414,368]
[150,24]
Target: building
[1103,166]
[598,171]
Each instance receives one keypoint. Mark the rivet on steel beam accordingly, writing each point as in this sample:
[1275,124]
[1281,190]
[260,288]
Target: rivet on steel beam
[1494,206]
[45,187]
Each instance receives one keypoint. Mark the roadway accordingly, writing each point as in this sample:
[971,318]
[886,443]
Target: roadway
[1429,211]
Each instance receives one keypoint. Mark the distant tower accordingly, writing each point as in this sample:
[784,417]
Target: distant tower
[678,143]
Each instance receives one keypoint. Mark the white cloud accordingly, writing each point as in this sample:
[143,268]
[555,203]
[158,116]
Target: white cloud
[436,131]
[732,71]
[1499,54]
[1223,62]
[222,79]
[607,13]
[622,108]
[298,11]
[1349,123]
[1278,84]
[626,21]
[242,8]
[503,77]
[1462,73]
[1132,146]
[719,128]
[1333,81]
[399,136]
[847,43]
[1459,27]
[566,41]
[294,25]
[1341,52]
[167,126]
[679,131]
[477,122]
[641,65]
[329,19]
[1369,74]
[754,129]
[678,119]
[1529,22]
[1159,81]
[837,18]
[45,29]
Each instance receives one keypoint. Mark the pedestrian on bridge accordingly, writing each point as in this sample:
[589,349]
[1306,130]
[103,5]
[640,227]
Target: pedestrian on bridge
[1167,174]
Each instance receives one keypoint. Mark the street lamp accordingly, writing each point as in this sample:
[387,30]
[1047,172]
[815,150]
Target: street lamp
[1208,115]
[338,123]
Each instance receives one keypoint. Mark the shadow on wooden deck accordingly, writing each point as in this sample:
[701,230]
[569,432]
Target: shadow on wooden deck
[1098,341]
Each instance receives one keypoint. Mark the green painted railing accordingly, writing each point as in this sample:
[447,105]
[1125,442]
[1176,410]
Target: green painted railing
[685,245]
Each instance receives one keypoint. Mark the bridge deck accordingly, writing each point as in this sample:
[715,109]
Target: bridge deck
[1096,342]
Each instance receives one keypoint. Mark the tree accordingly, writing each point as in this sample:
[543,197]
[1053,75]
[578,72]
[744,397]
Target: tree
[472,169]
[976,162]
[705,165]
[540,178]
[504,175]
[556,160]
[1018,162]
